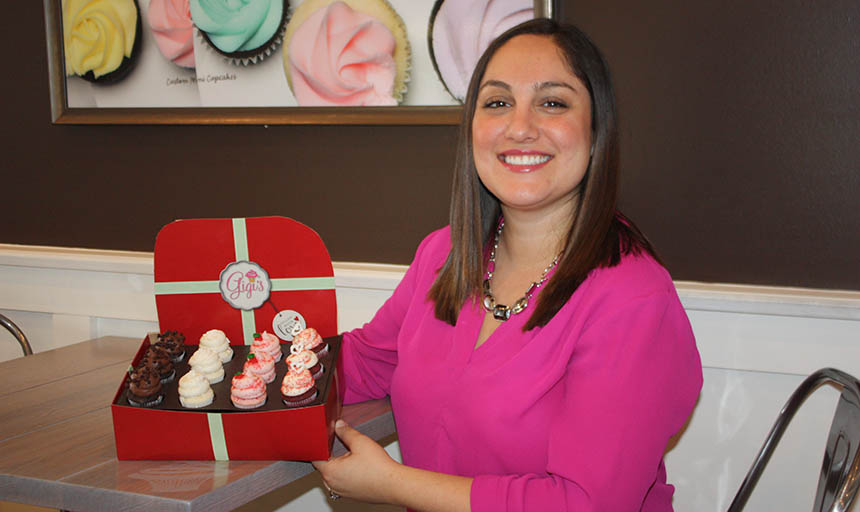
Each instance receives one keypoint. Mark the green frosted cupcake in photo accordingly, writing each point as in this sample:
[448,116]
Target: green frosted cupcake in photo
[243,31]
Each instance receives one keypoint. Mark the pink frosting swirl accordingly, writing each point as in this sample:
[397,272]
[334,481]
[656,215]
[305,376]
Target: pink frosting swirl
[340,57]
[170,21]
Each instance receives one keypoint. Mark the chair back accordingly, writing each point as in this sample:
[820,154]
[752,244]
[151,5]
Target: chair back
[840,471]
[18,333]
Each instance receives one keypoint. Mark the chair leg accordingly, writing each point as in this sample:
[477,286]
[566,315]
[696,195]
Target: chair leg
[18,333]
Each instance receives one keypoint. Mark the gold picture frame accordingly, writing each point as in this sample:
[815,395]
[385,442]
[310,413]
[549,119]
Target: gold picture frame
[62,113]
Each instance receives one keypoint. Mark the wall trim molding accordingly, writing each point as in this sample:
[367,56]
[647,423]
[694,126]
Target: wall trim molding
[724,297]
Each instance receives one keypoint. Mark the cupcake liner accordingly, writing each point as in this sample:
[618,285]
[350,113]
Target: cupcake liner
[301,402]
[146,402]
[249,57]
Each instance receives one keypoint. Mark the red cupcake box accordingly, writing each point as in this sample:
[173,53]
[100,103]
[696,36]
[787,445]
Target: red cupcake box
[242,276]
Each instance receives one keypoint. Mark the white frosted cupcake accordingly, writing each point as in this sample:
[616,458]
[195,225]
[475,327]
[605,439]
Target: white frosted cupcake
[306,358]
[216,341]
[207,363]
[194,390]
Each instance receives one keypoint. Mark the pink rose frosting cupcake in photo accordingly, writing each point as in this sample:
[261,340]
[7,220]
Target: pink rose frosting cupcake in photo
[262,365]
[298,387]
[346,53]
[305,357]
[312,340]
[170,23]
[247,391]
[268,344]
[460,31]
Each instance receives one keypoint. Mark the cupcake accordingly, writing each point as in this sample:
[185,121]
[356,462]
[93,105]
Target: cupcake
[460,31]
[173,31]
[157,359]
[247,391]
[268,344]
[245,31]
[346,53]
[174,343]
[194,390]
[217,342]
[262,365]
[312,340]
[298,387]
[299,354]
[144,387]
[207,363]
[101,38]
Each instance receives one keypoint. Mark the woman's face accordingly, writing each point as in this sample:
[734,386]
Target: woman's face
[531,131]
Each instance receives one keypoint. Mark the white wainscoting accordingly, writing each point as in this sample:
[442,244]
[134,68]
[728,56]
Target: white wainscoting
[757,344]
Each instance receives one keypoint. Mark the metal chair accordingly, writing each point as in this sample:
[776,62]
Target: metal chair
[840,470]
[18,333]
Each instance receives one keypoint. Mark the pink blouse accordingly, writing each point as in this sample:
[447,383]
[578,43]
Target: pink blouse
[571,416]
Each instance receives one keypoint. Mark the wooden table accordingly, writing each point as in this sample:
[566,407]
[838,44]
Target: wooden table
[57,444]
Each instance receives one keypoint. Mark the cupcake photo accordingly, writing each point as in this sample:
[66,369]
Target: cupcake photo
[346,53]
[172,29]
[460,31]
[101,39]
[244,32]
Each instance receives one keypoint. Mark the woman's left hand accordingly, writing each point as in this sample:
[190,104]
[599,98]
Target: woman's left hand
[366,472]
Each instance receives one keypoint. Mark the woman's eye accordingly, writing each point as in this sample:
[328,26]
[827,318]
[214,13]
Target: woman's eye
[554,104]
[495,104]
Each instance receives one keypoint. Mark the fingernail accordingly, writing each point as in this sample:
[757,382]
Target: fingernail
[339,424]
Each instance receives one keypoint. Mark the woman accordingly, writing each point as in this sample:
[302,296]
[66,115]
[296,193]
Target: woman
[509,395]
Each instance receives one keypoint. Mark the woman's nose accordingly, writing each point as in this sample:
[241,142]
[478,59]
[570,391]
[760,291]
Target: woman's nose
[522,127]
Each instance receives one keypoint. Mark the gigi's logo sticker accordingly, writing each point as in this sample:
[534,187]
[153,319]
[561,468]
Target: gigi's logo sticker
[245,285]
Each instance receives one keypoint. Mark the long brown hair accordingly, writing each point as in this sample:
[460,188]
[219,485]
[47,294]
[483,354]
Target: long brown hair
[598,235]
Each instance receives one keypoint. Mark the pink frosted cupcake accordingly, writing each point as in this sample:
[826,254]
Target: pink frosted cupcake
[346,53]
[262,365]
[311,340]
[170,22]
[247,391]
[306,358]
[268,344]
[298,387]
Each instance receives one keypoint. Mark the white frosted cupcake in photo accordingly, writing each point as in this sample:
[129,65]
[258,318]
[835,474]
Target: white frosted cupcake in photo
[346,53]
[460,31]
[242,31]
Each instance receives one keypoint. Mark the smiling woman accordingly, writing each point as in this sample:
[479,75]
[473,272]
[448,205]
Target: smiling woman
[567,398]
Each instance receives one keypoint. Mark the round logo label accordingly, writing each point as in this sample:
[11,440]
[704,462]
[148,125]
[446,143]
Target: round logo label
[245,285]
[287,324]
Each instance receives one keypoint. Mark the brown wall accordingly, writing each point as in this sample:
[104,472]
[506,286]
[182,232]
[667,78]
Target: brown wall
[741,123]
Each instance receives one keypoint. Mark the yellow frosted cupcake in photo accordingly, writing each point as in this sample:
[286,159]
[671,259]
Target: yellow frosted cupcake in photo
[101,38]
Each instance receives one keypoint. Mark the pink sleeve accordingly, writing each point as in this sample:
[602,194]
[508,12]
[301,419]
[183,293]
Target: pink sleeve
[369,354]
[631,383]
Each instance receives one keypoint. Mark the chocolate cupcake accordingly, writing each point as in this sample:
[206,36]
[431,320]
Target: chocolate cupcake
[174,343]
[158,359]
[242,32]
[101,38]
[144,388]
